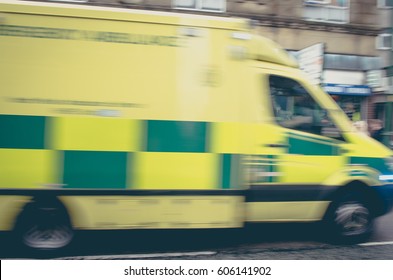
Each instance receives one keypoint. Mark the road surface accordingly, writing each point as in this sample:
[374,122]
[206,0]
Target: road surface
[277,241]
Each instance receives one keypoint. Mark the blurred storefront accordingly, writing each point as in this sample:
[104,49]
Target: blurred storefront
[353,99]
[349,88]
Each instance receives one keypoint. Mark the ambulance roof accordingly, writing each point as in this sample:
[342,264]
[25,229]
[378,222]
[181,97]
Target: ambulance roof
[259,48]
[264,49]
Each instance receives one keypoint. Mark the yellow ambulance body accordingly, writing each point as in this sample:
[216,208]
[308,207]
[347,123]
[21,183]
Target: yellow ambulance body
[129,119]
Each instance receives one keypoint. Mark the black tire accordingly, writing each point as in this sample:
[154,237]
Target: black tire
[349,220]
[44,227]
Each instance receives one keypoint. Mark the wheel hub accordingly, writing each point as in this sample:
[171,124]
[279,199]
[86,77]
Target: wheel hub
[353,218]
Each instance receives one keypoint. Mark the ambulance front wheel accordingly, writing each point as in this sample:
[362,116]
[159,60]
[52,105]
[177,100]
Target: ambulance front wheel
[349,219]
[44,227]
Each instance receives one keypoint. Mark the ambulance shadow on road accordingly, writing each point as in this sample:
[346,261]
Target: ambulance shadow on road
[87,243]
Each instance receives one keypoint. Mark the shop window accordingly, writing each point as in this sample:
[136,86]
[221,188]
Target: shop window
[334,11]
[201,5]
[294,108]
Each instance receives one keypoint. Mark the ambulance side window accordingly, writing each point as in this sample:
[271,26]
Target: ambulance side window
[294,108]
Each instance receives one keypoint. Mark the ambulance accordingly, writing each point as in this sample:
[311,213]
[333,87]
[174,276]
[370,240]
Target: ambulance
[122,119]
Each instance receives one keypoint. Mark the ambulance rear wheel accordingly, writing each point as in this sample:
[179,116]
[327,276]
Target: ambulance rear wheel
[44,227]
[350,219]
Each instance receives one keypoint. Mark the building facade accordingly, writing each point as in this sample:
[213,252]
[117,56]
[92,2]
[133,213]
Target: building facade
[352,40]
[383,98]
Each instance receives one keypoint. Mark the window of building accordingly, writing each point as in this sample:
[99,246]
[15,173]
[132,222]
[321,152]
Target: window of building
[334,11]
[294,108]
[384,41]
[384,3]
[201,5]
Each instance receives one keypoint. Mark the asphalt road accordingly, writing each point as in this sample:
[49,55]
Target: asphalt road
[383,228]
[271,241]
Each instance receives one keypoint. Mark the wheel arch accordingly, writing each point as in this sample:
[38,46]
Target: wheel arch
[43,224]
[363,191]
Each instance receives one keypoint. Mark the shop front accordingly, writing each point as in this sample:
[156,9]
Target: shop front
[351,98]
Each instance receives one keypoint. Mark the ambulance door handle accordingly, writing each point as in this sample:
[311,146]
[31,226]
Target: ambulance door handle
[277,145]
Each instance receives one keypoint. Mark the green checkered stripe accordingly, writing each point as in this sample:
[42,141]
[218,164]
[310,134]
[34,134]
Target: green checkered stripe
[110,169]
[376,163]
[311,146]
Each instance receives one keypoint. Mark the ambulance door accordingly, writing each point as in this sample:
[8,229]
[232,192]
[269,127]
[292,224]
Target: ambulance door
[312,140]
